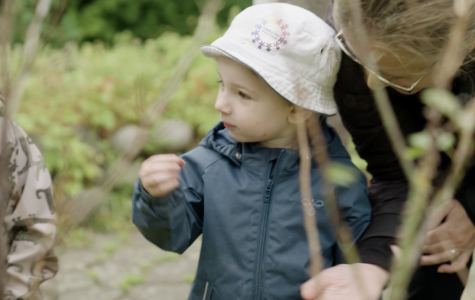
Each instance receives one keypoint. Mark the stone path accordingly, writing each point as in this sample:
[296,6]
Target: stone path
[114,268]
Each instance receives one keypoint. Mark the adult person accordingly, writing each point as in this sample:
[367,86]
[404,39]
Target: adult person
[29,225]
[409,42]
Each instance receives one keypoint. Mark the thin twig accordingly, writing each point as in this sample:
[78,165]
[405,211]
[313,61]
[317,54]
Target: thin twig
[5,33]
[310,223]
[418,197]
[320,154]
[385,109]
[29,54]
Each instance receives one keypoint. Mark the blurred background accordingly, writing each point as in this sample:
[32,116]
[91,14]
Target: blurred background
[100,66]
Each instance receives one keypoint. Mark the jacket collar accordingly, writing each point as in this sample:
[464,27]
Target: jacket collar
[218,139]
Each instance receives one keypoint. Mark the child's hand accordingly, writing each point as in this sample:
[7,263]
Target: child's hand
[159,174]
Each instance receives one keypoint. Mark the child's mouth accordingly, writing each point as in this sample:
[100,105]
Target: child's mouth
[228,126]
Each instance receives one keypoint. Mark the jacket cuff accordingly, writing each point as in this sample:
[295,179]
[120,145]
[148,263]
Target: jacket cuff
[384,225]
[374,245]
[377,251]
[466,197]
[146,197]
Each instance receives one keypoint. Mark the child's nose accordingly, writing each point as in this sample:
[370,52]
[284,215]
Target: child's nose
[222,105]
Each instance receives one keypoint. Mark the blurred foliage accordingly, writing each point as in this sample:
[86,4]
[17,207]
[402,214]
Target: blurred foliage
[90,20]
[77,97]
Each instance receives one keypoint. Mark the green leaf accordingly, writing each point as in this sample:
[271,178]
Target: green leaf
[445,140]
[442,100]
[414,153]
[420,140]
[341,174]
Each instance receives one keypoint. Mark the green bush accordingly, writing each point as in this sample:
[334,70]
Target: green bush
[77,97]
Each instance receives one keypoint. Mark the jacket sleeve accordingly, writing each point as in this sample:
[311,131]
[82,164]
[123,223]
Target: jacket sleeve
[466,193]
[353,204]
[172,222]
[30,219]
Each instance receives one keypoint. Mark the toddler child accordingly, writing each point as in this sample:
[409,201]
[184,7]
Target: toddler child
[277,64]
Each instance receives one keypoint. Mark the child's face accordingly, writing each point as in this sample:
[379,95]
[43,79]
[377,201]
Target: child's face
[250,109]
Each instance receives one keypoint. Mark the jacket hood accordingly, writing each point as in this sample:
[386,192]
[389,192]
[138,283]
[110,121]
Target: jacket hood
[218,139]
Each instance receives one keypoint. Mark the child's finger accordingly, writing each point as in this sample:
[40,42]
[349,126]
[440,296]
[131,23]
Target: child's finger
[159,167]
[157,178]
[164,157]
[164,188]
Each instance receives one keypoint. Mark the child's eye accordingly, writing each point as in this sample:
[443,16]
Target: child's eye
[220,82]
[244,96]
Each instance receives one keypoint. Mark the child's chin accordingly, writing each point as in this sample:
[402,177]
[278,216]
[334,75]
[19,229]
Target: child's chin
[238,138]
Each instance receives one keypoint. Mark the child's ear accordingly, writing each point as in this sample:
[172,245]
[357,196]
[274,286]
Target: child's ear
[298,115]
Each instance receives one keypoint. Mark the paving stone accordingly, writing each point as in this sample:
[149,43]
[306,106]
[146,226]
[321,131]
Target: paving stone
[97,272]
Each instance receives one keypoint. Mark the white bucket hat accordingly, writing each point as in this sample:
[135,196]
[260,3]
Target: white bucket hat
[290,48]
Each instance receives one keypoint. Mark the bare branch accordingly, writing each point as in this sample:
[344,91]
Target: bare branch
[416,204]
[345,237]
[5,32]
[29,53]
[388,117]
[310,224]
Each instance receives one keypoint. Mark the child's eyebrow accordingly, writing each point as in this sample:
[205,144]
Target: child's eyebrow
[246,88]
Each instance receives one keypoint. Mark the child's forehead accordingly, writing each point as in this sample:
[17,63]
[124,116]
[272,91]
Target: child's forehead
[246,78]
[233,65]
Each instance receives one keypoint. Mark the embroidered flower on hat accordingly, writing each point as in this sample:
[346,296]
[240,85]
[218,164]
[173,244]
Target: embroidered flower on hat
[270,34]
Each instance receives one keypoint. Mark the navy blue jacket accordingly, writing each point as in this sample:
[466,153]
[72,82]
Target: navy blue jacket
[245,200]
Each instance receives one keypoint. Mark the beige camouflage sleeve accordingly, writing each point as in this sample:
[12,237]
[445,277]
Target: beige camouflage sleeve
[30,218]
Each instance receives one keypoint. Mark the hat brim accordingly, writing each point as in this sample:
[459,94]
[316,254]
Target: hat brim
[329,109]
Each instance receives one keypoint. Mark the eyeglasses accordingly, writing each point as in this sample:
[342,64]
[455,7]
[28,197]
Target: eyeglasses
[341,42]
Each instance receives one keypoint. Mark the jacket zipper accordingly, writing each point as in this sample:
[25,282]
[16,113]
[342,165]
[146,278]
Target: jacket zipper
[206,290]
[262,239]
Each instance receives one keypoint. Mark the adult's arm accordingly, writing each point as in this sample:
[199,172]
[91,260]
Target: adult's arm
[30,219]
